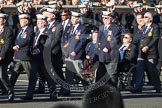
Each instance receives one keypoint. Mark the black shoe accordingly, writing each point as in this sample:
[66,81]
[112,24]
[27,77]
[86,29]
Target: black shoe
[136,91]
[158,91]
[11,96]
[39,91]
[4,93]
[54,98]
[65,94]
[27,98]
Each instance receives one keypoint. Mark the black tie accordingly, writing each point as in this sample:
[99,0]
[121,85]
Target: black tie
[72,29]
[144,29]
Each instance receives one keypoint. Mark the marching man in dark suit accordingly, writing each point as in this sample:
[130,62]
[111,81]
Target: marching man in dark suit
[66,23]
[5,43]
[22,49]
[37,62]
[51,26]
[74,49]
[147,57]
[109,41]
[55,32]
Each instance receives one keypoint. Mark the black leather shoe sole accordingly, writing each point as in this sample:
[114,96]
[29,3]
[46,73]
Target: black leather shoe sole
[136,91]
[27,98]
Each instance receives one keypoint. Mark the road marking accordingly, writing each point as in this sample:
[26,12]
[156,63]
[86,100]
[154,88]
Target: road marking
[23,81]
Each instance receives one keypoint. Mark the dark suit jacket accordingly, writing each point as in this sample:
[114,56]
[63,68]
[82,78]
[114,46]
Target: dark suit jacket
[150,39]
[40,45]
[130,54]
[24,45]
[130,57]
[53,26]
[65,33]
[55,41]
[5,42]
[112,45]
[77,43]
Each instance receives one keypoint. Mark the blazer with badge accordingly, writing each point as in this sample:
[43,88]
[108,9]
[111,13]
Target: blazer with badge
[39,45]
[55,41]
[24,42]
[76,42]
[109,39]
[65,33]
[52,28]
[5,42]
[150,39]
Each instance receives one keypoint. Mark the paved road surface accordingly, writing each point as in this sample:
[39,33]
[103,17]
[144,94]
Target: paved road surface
[147,99]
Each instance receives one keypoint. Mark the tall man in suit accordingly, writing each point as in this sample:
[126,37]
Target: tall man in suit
[109,42]
[147,57]
[22,49]
[66,23]
[74,50]
[55,32]
[5,44]
[37,62]
[51,26]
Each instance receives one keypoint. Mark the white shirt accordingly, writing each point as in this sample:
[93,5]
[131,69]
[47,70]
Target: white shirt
[37,38]
[64,23]
[75,27]
[51,23]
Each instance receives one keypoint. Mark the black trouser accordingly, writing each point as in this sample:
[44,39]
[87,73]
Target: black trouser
[57,64]
[35,68]
[4,77]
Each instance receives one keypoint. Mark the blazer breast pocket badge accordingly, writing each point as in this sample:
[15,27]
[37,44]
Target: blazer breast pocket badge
[42,41]
[150,33]
[2,41]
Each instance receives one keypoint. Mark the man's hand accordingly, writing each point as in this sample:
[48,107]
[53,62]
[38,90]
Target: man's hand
[35,52]
[66,45]
[73,54]
[87,57]
[16,48]
[145,49]
[1,58]
[105,50]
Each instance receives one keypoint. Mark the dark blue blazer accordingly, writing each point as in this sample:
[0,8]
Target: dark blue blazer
[112,44]
[77,43]
[24,45]
[40,45]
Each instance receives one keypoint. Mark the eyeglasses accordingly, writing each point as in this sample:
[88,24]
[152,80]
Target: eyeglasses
[105,17]
[125,37]
[146,17]
[64,15]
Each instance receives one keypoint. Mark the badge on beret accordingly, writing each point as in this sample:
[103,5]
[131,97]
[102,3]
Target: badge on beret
[2,41]
[42,41]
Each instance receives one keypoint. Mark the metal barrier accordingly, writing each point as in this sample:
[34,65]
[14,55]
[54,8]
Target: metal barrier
[120,9]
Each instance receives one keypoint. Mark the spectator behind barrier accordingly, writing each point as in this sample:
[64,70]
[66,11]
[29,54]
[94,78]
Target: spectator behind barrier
[105,96]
